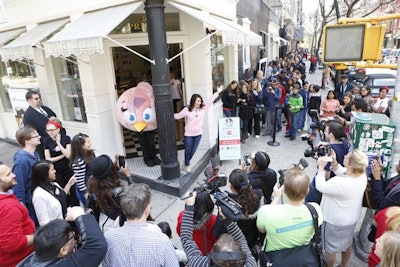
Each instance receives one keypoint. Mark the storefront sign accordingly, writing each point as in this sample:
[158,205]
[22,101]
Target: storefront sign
[229,138]
[18,103]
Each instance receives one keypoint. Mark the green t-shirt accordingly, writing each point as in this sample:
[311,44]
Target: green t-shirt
[287,226]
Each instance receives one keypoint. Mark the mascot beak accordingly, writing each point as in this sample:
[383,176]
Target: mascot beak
[139,126]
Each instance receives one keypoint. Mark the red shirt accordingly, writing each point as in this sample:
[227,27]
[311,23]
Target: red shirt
[205,232]
[15,225]
[380,219]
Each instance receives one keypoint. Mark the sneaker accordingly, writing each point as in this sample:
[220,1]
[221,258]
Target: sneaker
[257,136]
[287,135]
[248,134]
[263,125]
[187,169]
[292,138]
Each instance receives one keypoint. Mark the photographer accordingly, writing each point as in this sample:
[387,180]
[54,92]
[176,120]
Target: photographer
[203,221]
[230,249]
[243,194]
[336,138]
[260,176]
[341,203]
[55,243]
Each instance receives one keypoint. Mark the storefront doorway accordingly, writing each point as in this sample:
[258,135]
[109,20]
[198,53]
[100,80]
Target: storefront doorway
[129,71]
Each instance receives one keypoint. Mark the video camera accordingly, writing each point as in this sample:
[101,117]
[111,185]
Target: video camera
[302,164]
[212,183]
[315,152]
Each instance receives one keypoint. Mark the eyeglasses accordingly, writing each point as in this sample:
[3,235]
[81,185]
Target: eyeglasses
[51,130]
[35,136]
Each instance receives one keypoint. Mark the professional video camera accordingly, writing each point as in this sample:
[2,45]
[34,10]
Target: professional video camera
[302,164]
[212,183]
[315,152]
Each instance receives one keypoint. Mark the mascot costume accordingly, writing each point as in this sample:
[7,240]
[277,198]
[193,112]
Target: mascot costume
[136,112]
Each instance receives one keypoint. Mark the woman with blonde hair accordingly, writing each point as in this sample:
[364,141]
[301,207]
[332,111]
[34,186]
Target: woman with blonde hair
[387,249]
[385,220]
[341,202]
[257,94]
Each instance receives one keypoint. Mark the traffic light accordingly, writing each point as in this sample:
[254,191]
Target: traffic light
[352,42]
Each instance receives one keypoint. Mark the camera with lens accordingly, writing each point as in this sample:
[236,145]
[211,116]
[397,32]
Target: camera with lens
[212,183]
[315,152]
[301,164]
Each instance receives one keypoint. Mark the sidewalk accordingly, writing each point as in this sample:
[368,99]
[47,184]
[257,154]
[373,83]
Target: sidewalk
[166,207]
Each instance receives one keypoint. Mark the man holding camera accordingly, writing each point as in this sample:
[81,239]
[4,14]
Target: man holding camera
[271,99]
[56,242]
[290,225]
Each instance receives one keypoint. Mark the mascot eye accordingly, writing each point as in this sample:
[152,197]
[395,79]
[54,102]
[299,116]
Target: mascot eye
[129,117]
[149,115]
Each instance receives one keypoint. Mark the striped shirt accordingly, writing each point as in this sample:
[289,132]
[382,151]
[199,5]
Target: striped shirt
[79,168]
[195,258]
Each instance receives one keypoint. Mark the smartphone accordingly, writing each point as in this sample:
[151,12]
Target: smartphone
[121,161]
[247,159]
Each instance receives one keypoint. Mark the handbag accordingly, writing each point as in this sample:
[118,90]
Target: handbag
[260,109]
[367,198]
[308,255]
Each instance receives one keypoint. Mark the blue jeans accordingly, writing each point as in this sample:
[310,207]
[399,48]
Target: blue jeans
[302,118]
[294,124]
[229,113]
[81,197]
[191,144]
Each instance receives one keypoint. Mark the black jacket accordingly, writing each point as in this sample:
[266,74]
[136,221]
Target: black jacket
[38,121]
[264,180]
[90,254]
[384,194]
[229,99]
[246,111]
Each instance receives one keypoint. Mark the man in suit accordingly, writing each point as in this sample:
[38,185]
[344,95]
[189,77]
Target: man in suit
[37,116]
[343,87]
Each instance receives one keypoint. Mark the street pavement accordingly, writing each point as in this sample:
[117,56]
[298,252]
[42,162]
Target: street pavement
[166,207]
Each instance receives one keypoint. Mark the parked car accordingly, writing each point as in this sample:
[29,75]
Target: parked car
[392,57]
[375,78]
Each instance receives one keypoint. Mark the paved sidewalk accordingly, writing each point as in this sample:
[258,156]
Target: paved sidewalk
[166,207]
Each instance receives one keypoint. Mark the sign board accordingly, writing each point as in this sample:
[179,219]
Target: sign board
[229,138]
[19,103]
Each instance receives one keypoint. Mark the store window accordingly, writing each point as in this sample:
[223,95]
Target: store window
[136,23]
[217,61]
[69,89]
[16,78]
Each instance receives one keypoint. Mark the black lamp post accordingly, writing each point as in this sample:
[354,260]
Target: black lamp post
[161,87]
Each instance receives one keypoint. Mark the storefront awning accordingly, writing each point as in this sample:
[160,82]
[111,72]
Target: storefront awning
[21,47]
[276,38]
[7,36]
[84,35]
[230,35]
[252,38]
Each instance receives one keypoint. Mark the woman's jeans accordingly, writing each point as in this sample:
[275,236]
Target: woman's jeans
[229,113]
[81,197]
[191,144]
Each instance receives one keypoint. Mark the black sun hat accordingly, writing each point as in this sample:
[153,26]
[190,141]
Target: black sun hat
[101,166]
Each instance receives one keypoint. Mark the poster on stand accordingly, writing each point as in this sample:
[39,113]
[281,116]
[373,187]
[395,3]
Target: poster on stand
[18,103]
[229,138]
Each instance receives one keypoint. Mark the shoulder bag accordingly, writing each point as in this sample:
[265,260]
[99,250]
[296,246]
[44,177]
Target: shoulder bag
[308,255]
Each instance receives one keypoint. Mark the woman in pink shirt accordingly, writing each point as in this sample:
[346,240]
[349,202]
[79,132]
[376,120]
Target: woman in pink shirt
[330,105]
[194,114]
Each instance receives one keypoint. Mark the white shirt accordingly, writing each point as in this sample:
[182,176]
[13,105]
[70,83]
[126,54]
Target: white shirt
[341,197]
[47,207]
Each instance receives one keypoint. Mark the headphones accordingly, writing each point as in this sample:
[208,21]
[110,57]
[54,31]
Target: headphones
[227,256]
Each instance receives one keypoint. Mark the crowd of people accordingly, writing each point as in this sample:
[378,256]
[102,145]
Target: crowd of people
[62,205]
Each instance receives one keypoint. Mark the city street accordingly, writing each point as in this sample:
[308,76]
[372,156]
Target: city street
[166,207]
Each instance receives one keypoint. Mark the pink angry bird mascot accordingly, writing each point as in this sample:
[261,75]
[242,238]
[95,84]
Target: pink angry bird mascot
[136,111]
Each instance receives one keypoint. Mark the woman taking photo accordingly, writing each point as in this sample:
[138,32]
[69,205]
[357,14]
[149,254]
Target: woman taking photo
[57,149]
[194,114]
[341,203]
[81,158]
[246,109]
[105,185]
[242,193]
[262,177]
[48,197]
[229,99]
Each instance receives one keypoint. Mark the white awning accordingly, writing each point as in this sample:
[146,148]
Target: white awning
[276,37]
[230,36]
[85,35]
[252,38]
[21,47]
[5,37]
